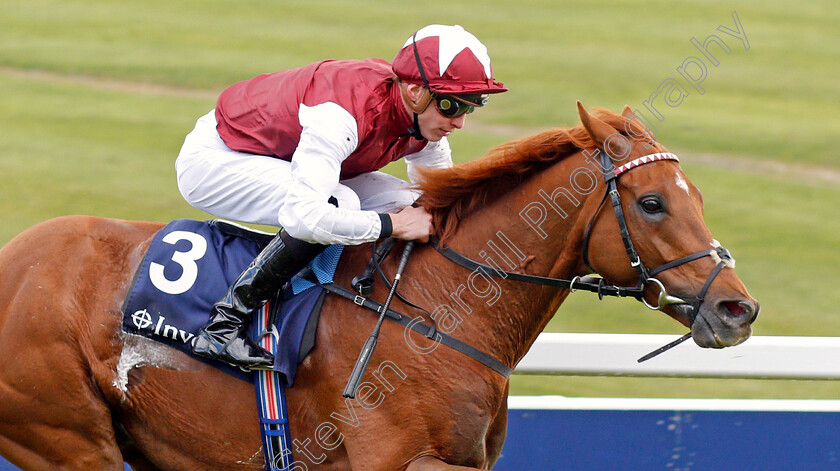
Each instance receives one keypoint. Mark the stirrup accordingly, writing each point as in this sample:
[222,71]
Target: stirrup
[248,369]
[272,331]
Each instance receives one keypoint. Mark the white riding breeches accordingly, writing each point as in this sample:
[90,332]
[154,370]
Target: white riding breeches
[252,188]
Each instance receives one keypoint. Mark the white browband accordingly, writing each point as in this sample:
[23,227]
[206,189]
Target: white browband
[645,160]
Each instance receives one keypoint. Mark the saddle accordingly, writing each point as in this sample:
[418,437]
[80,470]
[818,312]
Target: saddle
[189,266]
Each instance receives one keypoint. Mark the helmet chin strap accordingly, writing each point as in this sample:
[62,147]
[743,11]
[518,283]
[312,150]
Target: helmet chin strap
[423,99]
[416,106]
[414,131]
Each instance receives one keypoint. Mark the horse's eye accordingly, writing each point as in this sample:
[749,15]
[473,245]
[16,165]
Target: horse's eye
[651,204]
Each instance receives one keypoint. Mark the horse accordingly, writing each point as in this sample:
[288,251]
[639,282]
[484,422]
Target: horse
[77,394]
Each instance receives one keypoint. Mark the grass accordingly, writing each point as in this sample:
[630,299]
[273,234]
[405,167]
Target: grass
[96,98]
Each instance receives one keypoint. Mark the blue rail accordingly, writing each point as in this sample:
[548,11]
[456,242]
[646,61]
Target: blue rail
[672,435]
[667,434]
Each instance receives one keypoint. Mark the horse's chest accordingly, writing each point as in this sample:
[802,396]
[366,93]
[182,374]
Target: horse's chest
[470,429]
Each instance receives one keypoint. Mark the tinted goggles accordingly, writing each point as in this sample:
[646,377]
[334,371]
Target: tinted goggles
[453,106]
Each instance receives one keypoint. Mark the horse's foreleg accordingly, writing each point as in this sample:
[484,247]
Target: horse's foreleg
[429,463]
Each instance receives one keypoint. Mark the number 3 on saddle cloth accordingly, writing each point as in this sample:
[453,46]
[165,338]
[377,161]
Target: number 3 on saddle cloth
[189,266]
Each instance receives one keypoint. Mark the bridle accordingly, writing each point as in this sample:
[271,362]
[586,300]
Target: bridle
[645,275]
[363,283]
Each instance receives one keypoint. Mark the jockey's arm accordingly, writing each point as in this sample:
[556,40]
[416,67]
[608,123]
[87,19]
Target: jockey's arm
[412,223]
[416,223]
[328,137]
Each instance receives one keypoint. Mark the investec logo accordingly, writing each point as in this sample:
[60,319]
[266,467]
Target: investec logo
[143,321]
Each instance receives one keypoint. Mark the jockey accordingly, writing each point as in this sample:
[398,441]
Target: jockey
[301,148]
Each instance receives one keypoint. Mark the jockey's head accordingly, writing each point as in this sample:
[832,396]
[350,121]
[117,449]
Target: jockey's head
[449,66]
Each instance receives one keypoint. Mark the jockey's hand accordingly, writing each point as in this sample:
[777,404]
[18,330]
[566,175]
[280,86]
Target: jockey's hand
[412,223]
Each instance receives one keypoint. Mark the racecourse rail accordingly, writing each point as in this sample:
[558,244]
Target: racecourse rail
[565,433]
[616,355]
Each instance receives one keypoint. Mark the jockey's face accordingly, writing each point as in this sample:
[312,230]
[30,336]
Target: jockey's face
[433,125]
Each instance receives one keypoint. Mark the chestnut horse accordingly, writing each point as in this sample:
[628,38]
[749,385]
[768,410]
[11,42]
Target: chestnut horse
[77,394]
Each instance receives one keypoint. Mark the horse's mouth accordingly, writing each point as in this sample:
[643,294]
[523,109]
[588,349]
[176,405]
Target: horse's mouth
[725,325]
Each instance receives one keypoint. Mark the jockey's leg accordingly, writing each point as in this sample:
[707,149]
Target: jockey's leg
[381,192]
[228,184]
[225,336]
[240,187]
[246,187]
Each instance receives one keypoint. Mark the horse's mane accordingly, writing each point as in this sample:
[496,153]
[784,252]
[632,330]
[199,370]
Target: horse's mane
[452,193]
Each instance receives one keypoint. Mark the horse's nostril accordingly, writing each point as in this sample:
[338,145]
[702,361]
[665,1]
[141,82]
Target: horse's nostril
[738,310]
[735,308]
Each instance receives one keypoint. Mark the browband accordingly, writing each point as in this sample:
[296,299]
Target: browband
[645,160]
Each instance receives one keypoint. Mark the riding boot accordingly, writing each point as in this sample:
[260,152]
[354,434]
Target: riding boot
[225,337]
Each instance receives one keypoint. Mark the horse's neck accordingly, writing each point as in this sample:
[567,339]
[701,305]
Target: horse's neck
[506,316]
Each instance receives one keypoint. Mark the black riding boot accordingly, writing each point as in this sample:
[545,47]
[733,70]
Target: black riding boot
[224,337]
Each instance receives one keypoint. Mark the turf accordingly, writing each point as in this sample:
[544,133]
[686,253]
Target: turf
[96,98]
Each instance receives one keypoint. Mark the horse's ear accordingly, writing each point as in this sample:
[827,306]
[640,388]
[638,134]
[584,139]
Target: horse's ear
[627,111]
[597,129]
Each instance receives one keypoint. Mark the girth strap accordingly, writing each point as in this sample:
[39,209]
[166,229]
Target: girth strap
[427,331]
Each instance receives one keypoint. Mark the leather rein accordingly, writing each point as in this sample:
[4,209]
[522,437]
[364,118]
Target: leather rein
[646,276]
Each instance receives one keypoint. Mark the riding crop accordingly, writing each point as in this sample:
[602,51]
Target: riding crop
[370,343]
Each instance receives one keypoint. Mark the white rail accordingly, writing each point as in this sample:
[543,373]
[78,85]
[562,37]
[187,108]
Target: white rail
[616,355]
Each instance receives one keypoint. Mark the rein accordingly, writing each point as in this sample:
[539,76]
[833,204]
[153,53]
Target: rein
[592,284]
[597,284]
[430,332]
[586,283]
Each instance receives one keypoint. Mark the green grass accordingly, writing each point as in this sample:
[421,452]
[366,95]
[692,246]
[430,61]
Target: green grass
[96,98]
[775,100]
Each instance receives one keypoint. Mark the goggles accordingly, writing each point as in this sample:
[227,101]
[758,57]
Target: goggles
[452,106]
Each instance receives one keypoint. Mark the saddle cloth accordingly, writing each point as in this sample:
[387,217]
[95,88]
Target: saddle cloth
[189,266]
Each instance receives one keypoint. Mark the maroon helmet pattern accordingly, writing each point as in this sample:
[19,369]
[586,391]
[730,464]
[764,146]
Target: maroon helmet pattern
[452,60]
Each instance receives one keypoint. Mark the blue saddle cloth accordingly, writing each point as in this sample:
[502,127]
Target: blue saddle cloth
[189,266]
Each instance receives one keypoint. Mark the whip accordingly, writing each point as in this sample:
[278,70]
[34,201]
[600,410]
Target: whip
[370,343]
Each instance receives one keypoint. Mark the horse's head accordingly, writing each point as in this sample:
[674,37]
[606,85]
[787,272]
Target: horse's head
[684,270]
